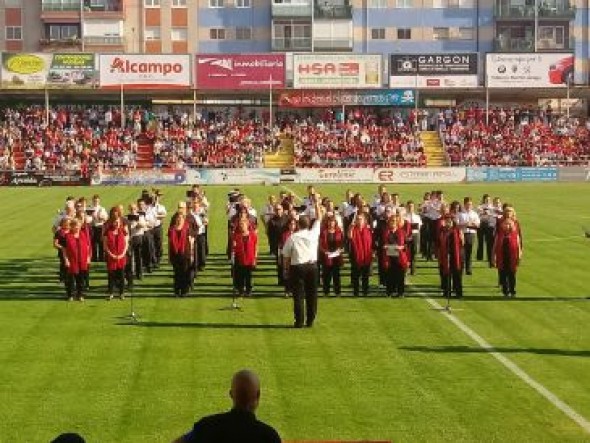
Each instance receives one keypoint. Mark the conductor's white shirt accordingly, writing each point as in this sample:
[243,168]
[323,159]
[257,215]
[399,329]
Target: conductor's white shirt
[302,247]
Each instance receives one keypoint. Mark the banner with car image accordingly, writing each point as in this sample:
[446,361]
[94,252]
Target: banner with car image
[55,71]
[538,70]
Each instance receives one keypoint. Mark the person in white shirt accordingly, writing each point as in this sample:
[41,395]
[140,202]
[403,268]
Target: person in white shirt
[300,261]
[160,213]
[485,233]
[137,226]
[99,217]
[468,221]
[415,222]
[148,238]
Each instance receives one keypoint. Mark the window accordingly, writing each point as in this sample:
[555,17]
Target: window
[217,34]
[551,37]
[243,33]
[216,3]
[465,34]
[291,2]
[178,34]
[179,3]
[378,4]
[452,4]
[378,34]
[243,4]
[440,34]
[404,4]
[152,3]
[14,33]
[62,32]
[291,35]
[404,33]
[152,33]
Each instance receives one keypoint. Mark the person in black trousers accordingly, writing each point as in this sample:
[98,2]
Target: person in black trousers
[181,244]
[361,254]
[450,259]
[331,249]
[394,256]
[300,254]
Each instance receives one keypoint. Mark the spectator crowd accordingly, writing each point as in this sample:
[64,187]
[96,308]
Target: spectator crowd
[85,138]
[513,137]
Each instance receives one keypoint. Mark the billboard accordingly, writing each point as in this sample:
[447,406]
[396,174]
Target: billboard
[143,71]
[512,174]
[240,71]
[235,176]
[334,175]
[546,70]
[54,71]
[419,175]
[573,174]
[333,71]
[319,99]
[451,70]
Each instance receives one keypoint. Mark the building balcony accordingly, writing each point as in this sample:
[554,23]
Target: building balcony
[332,12]
[291,44]
[63,45]
[528,45]
[69,10]
[104,41]
[332,44]
[291,10]
[562,10]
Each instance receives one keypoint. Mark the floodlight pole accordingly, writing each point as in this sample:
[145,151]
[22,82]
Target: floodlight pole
[47,104]
[123,116]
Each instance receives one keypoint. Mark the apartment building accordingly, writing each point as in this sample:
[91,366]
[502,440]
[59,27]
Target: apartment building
[364,26]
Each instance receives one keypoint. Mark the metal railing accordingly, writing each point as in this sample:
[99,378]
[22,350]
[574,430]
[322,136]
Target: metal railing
[293,43]
[104,40]
[76,5]
[509,44]
[333,11]
[528,12]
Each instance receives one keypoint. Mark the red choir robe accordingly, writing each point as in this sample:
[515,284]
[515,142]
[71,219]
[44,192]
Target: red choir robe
[509,261]
[362,245]
[400,240]
[443,250]
[77,252]
[244,248]
[338,240]
[116,243]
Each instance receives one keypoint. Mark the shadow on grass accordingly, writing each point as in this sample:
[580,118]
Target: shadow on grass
[501,350]
[203,325]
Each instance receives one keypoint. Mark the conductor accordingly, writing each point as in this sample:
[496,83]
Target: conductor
[300,254]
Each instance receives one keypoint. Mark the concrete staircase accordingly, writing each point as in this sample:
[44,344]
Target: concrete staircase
[145,153]
[284,158]
[434,149]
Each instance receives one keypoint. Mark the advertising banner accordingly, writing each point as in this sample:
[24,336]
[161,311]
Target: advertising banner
[145,71]
[137,177]
[419,175]
[319,99]
[240,71]
[540,70]
[452,70]
[573,174]
[344,71]
[516,174]
[31,178]
[232,176]
[55,71]
[334,175]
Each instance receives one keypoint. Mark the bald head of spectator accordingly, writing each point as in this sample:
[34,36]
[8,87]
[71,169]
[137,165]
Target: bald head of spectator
[245,390]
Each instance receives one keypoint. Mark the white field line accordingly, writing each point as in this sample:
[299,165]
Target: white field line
[513,367]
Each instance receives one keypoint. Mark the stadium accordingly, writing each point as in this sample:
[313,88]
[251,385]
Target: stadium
[344,228]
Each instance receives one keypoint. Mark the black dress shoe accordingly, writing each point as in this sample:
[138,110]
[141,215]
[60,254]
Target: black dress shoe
[298,326]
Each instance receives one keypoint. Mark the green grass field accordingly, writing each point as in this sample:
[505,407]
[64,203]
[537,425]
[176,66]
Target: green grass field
[371,368]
